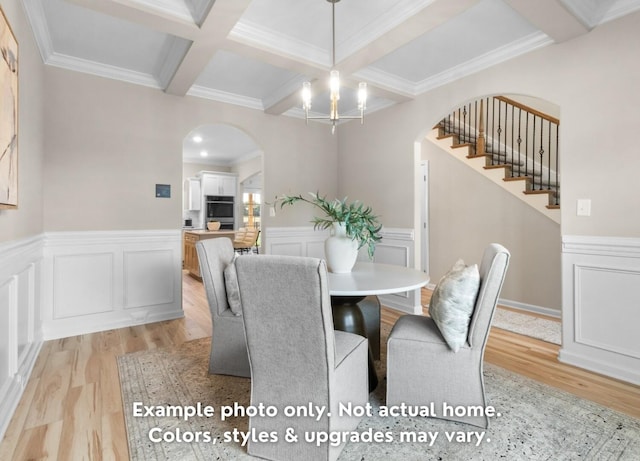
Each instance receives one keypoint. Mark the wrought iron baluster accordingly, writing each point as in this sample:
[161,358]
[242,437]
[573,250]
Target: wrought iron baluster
[557,200]
[541,152]
[493,126]
[526,147]
[519,142]
[512,128]
[549,160]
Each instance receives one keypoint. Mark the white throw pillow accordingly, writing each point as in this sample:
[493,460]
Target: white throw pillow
[453,301]
[232,287]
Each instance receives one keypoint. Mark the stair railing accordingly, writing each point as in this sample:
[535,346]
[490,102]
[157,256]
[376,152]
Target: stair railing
[514,135]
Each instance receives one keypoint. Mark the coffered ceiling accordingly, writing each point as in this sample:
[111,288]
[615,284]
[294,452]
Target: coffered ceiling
[257,53]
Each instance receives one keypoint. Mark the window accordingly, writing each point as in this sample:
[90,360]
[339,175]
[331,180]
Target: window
[251,210]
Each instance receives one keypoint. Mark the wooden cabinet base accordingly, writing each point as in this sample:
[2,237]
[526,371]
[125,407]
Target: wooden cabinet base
[190,255]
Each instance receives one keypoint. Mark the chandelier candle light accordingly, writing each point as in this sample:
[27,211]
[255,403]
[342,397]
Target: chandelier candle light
[334,86]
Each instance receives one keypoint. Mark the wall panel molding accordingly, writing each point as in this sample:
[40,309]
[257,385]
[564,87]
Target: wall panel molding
[396,247]
[600,308]
[101,280]
[20,326]
[62,284]
[82,284]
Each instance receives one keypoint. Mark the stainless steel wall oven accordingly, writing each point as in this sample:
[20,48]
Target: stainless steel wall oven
[221,208]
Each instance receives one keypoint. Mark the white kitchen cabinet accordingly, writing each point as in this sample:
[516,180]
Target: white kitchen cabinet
[218,184]
[228,185]
[194,199]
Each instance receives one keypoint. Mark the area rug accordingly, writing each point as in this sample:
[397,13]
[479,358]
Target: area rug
[528,325]
[536,422]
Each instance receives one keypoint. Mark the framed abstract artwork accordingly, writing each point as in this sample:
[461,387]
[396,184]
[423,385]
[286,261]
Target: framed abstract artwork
[8,115]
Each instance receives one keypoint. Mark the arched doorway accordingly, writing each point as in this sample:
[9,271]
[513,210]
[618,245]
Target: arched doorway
[218,148]
[471,211]
[217,161]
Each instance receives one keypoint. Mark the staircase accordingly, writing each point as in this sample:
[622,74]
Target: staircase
[511,144]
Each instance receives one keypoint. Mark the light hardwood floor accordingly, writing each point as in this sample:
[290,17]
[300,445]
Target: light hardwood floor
[72,410]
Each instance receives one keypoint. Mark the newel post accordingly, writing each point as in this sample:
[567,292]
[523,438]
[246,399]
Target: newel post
[480,142]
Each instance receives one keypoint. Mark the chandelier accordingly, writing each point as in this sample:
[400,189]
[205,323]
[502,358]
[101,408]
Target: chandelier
[334,87]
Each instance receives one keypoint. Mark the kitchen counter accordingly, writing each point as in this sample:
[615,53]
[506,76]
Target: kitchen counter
[203,233]
[190,255]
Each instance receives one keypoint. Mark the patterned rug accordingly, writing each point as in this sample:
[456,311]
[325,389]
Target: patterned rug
[536,422]
[528,325]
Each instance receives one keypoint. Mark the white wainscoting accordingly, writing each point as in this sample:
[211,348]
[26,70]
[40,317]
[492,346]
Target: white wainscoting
[69,283]
[20,325]
[601,305]
[396,247]
[95,281]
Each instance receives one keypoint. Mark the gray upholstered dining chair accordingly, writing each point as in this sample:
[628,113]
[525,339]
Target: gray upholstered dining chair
[421,365]
[228,346]
[296,357]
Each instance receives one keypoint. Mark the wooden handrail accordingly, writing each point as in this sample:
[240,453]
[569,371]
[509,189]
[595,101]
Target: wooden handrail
[518,137]
[528,109]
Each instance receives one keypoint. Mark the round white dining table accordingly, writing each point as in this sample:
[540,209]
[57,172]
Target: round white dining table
[365,279]
[368,278]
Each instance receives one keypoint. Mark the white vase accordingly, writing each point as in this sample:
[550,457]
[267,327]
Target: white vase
[340,250]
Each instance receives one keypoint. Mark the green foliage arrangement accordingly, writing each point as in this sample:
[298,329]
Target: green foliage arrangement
[359,221]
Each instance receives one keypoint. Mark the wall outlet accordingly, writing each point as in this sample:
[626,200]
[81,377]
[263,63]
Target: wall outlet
[584,207]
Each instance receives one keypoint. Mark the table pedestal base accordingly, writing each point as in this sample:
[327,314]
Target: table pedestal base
[348,317]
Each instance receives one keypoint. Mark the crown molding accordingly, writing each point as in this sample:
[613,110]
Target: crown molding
[223,96]
[102,70]
[35,14]
[255,35]
[621,8]
[385,80]
[504,53]
[171,8]
[401,12]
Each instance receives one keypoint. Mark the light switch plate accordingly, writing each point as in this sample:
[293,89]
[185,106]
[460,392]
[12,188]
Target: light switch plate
[584,207]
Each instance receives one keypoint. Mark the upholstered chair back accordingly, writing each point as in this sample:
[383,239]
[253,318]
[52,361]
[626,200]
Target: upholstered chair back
[286,305]
[228,346]
[214,255]
[493,269]
[296,357]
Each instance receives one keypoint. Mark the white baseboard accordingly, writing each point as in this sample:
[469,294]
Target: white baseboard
[524,307]
[14,387]
[601,365]
[549,312]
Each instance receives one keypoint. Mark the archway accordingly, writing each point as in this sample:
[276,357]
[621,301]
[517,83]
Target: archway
[217,160]
[223,149]
[472,212]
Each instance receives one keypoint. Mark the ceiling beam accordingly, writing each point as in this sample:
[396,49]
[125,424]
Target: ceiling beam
[431,16]
[132,11]
[289,99]
[222,17]
[551,17]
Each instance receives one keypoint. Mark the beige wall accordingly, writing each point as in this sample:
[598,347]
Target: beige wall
[109,143]
[190,170]
[248,168]
[26,220]
[468,211]
[594,81]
